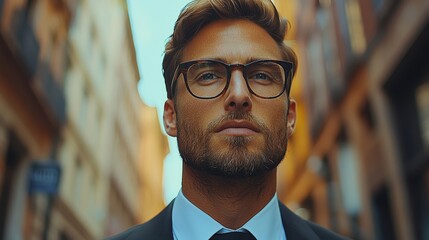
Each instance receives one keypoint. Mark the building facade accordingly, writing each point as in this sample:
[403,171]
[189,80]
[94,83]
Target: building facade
[101,140]
[153,150]
[365,90]
[32,103]
[68,98]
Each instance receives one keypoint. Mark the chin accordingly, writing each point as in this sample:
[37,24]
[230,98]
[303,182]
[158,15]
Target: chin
[237,142]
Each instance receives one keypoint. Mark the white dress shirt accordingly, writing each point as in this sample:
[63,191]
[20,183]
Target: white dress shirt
[191,223]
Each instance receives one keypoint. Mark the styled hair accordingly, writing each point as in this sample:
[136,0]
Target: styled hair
[198,13]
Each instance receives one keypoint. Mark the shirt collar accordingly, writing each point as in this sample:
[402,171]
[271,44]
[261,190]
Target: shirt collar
[189,222]
[267,223]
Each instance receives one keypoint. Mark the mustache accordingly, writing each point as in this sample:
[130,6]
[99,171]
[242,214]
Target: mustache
[236,116]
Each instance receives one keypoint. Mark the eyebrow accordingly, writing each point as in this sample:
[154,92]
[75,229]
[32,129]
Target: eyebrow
[248,60]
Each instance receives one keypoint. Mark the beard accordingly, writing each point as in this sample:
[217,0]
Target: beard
[236,160]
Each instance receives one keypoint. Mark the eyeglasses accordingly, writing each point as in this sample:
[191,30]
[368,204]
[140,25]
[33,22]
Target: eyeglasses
[207,79]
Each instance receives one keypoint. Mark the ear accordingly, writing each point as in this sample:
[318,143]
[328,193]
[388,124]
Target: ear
[291,117]
[170,118]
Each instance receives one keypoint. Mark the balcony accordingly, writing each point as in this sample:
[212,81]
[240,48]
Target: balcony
[51,93]
[67,8]
[71,5]
[25,45]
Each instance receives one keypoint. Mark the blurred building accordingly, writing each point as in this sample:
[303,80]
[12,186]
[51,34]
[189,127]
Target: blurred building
[299,144]
[102,182]
[68,98]
[363,67]
[32,102]
[153,150]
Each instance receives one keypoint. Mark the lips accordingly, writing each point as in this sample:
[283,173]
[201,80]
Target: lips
[237,127]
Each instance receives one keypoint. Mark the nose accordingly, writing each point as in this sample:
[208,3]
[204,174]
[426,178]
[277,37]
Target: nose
[238,95]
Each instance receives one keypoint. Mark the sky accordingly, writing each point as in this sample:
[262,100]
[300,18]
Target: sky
[152,23]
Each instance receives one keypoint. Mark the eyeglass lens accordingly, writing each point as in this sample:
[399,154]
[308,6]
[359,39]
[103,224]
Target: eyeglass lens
[208,79]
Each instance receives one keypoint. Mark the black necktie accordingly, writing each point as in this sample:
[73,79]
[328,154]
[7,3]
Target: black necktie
[233,236]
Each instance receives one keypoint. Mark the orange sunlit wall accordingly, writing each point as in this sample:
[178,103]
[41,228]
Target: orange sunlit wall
[299,144]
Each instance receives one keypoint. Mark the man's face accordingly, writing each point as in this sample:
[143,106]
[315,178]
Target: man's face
[236,134]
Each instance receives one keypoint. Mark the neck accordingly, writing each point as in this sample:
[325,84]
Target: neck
[231,202]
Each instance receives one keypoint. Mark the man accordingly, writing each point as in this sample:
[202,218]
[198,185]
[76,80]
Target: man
[228,76]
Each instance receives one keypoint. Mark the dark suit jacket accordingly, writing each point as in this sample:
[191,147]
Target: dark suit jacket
[160,228]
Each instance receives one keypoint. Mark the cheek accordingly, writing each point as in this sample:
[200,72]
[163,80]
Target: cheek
[274,116]
[188,108]
[197,112]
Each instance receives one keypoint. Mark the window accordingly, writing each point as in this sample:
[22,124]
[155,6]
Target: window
[318,94]
[349,179]
[79,180]
[330,53]
[422,100]
[83,111]
[351,29]
[383,218]
[356,32]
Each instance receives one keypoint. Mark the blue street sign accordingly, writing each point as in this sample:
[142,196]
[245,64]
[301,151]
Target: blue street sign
[44,177]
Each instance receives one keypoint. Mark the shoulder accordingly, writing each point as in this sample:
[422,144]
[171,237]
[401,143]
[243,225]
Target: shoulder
[298,228]
[324,233]
[158,227]
[138,229]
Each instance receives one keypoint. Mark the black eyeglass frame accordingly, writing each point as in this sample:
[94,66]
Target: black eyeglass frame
[182,68]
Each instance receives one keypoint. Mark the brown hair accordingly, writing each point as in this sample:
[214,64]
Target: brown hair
[198,13]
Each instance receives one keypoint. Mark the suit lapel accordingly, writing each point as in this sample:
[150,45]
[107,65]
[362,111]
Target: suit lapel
[295,227]
[160,227]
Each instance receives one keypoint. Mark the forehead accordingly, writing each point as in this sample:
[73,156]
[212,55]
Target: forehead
[234,41]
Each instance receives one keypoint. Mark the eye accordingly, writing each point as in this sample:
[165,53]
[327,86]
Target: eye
[208,76]
[261,76]
[206,73]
